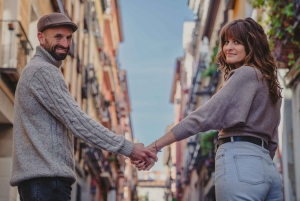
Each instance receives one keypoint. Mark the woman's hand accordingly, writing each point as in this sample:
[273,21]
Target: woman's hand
[153,148]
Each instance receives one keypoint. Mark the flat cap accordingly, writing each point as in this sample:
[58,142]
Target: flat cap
[54,20]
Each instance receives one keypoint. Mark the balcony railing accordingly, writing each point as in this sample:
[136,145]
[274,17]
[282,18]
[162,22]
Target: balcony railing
[15,51]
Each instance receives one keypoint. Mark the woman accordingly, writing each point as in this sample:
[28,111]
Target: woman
[246,111]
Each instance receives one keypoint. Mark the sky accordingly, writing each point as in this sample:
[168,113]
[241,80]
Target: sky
[152,33]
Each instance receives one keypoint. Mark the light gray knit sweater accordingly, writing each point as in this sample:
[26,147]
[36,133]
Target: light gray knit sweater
[241,108]
[46,117]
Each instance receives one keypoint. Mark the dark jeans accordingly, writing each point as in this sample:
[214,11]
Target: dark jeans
[45,189]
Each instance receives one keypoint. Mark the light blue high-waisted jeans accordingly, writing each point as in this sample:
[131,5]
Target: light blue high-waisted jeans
[245,171]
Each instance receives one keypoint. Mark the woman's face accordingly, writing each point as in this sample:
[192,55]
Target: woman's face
[235,52]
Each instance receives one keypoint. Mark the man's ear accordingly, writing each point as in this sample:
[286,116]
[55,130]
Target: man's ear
[41,38]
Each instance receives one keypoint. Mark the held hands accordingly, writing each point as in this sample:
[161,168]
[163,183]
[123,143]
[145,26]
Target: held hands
[142,155]
[143,164]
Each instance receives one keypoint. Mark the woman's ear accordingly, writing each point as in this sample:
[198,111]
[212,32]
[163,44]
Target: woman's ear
[41,38]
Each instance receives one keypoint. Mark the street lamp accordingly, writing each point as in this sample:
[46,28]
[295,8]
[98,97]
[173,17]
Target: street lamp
[178,185]
[204,50]
[178,179]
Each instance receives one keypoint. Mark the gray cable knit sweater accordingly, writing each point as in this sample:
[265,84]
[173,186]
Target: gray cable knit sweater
[46,117]
[241,108]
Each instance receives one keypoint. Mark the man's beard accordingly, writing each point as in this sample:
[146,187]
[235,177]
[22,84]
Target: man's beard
[52,51]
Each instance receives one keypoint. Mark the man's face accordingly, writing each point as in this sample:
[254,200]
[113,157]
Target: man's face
[56,41]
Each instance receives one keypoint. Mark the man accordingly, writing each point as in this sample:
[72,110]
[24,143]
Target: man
[47,116]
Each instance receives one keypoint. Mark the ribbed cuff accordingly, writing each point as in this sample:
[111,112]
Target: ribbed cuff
[127,148]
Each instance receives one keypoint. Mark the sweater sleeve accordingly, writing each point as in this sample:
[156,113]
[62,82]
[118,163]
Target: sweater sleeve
[227,108]
[49,88]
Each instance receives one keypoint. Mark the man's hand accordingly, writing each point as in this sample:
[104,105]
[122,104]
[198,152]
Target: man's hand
[142,154]
[142,165]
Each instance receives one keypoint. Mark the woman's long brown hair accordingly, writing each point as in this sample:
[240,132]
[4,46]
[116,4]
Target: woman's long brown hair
[258,54]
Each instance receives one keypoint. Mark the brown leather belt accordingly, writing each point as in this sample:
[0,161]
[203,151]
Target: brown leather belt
[250,139]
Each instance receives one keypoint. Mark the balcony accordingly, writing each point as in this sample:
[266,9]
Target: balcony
[14,52]
[106,7]
[104,110]
[95,160]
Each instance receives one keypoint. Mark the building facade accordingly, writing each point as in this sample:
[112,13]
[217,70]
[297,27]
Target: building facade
[151,186]
[196,79]
[94,79]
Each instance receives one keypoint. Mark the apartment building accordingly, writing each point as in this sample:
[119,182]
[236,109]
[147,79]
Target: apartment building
[94,79]
[196,81]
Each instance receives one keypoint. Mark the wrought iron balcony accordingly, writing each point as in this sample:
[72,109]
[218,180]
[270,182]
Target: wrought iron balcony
[14,52]
[99,166]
